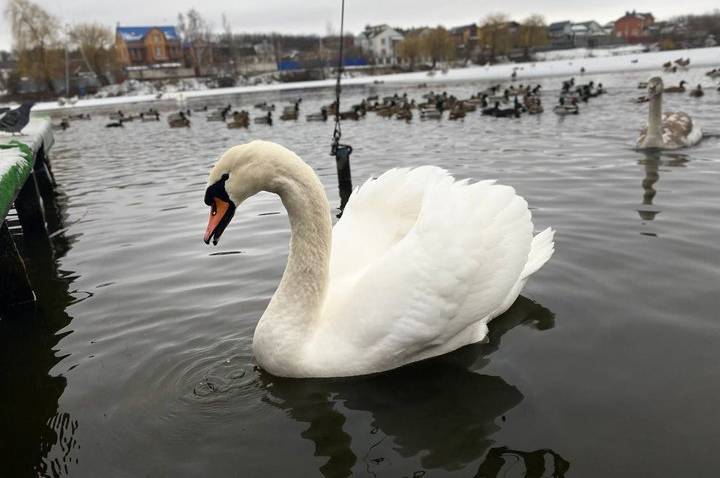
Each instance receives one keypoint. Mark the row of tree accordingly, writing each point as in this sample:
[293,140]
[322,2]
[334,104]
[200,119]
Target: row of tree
[41,43]
[496,35]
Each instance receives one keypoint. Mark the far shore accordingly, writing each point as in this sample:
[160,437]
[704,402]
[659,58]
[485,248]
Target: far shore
[704,57]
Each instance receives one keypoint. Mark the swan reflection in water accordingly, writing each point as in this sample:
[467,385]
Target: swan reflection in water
[439,411]
[651,163]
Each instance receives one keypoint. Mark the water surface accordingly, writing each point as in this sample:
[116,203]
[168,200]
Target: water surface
[138,360]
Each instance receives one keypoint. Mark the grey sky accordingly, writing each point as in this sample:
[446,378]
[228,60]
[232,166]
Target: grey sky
[314,16]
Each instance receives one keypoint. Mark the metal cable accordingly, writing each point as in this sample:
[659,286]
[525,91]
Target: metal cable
[337,133]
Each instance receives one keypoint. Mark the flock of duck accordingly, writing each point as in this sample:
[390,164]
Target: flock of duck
[510,102]
[664,130]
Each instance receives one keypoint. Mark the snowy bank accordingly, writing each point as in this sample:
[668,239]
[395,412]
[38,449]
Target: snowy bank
[607,63]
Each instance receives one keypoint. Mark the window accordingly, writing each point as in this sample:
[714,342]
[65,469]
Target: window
[158,53]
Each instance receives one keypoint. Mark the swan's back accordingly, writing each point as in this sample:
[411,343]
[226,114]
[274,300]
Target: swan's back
[420,263]
[678,131]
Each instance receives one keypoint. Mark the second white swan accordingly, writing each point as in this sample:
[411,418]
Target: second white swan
[417,266]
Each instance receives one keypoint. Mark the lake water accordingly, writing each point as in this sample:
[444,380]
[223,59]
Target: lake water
[138,360]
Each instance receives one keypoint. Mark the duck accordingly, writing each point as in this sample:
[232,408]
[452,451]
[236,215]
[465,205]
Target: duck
[676,89]
[62,125]
[513,112]
[533,105]
[150,115]
[404,114]
[490,111]
[409,272]
[563,108]
[79,116]
[714,73]
[178,120]
[264,106]
[349,115]
[322,116]
[456,114]
[240,119]
[427,114]
[264,119]
[666,130]
[219,114]
[289,114]
[386,111]
[697,92]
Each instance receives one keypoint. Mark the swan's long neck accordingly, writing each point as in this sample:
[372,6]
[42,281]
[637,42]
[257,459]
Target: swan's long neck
[654,131]
[299,298]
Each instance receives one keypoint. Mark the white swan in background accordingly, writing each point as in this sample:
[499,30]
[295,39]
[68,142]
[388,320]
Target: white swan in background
[668,130]
[417,266]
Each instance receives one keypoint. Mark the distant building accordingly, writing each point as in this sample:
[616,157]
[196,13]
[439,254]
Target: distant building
[590,28]
[631,27]
[465,34]
[465,38]
[148,45]
[381,42]
[560,31]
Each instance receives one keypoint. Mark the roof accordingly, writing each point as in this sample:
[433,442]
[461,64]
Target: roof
[588,24]
[373,31]
[462,28]
[639,15]
[138,33]
[558,25]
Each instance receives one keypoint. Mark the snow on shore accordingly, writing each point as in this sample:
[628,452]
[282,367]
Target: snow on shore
[600,63]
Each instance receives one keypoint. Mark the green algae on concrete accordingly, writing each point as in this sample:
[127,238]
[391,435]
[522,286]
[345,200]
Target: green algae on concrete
[16,163]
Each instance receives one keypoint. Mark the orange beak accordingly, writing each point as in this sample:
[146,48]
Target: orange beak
[220,214]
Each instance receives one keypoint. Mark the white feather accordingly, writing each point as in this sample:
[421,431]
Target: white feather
[417,266]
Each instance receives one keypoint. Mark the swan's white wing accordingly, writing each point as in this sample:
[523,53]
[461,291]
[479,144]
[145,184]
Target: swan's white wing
[420,263]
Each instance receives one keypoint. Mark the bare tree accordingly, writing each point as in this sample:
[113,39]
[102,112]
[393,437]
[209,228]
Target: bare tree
[410,49]
[195,31]
[495,34]
[35,34]
[95,42]
[533,33]
[438,45]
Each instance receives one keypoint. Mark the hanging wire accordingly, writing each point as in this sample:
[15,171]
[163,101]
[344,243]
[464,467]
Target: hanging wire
[337,132]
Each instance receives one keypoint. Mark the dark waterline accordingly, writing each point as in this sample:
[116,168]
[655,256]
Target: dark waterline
[137,361]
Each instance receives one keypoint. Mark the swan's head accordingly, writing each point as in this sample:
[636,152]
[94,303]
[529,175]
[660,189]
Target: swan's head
[241,172]
[655,87]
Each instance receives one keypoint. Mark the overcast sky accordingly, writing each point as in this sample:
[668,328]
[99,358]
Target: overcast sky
[314,16]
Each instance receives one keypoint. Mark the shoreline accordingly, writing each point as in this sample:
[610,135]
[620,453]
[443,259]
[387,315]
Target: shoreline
[628,62]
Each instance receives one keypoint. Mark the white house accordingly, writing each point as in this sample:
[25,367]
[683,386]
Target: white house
[381,42]
[591,28]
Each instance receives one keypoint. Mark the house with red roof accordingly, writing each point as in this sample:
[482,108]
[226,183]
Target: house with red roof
[631,27]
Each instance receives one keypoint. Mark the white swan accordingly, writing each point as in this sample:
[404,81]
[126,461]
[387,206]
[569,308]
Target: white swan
[669,130]
[417,266]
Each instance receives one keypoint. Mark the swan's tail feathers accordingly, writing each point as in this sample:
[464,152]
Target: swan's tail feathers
[541,250]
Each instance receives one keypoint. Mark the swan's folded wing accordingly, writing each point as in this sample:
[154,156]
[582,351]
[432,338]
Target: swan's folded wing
[679,130]
[454,266]
[378,215]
